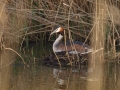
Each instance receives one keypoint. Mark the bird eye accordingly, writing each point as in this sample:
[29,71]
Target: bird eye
[57,30]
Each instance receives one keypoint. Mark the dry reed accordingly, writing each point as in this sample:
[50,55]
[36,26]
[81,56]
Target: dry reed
[29,20]
[25,20]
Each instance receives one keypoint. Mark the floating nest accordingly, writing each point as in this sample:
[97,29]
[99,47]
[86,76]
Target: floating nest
[65,59]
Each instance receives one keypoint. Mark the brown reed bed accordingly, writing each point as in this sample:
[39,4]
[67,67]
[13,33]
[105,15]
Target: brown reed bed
[95,23]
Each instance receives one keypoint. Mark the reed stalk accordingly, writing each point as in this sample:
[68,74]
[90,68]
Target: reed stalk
[98,41]
[32,20]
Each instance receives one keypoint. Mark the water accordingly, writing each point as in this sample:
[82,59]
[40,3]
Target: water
[39,77]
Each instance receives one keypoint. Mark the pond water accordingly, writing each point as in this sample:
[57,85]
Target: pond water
[39,77]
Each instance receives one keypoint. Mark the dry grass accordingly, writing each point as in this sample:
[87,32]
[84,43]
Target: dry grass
[95,23]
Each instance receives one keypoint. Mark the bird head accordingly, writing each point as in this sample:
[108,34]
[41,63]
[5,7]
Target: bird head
[58,30]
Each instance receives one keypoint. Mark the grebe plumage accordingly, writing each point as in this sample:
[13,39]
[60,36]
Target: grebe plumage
[72,48]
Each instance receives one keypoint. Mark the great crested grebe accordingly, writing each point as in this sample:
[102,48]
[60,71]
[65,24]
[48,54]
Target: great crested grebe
[72,48]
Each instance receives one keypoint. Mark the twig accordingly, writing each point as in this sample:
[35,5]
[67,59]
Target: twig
[14,52]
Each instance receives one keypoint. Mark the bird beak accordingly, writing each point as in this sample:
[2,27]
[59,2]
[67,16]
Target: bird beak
[54,32]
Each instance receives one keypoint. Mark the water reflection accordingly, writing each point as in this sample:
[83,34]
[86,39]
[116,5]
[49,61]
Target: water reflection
[7,58]
[38,77]
[66,77]
[45,78]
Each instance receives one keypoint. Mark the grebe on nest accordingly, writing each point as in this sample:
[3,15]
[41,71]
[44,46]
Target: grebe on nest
[72,47]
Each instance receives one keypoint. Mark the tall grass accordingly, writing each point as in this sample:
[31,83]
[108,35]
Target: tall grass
[95,23]
[97,43]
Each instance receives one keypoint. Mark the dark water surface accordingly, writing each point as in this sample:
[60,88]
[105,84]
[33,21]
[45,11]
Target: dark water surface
[39,77]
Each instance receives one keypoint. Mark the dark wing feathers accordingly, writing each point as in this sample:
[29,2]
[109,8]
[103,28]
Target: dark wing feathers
[78,46]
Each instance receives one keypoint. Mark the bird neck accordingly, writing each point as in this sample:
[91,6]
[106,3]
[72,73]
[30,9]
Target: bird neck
[56,43]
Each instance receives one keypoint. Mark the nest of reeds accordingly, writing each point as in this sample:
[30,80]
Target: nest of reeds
[65,59]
